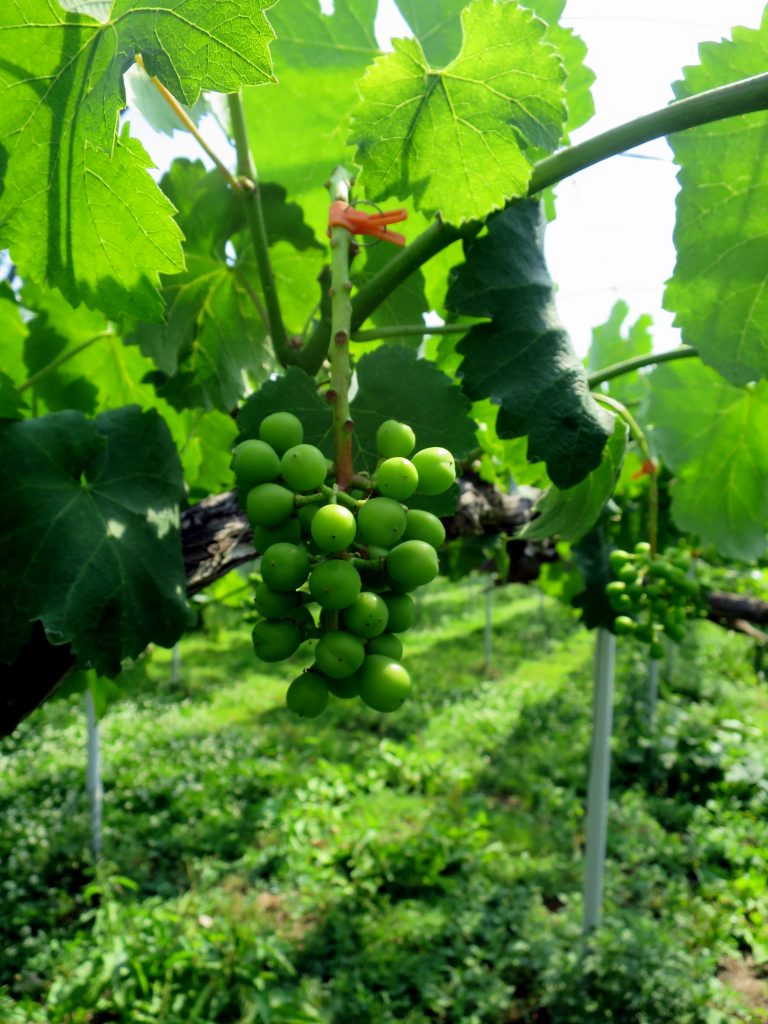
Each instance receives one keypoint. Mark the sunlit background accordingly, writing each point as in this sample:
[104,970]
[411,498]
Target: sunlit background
[612,238]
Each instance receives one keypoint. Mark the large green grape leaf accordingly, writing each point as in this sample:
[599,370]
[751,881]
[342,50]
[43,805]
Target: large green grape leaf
[77,207]
[437,26]
[523,359]
[718,290]
[570,514]
[89,534]
[714,438]
[299,130]
[610,346]
[501,94]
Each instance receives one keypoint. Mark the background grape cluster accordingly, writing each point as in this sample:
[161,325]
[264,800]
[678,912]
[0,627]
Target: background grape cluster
[356,555]
[654,595]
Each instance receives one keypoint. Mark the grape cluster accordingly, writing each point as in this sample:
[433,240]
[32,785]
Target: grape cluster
[653,594]
[355,554]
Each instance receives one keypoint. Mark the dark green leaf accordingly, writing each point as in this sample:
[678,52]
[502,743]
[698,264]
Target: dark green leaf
[714,437]
[11,402]
[297,392]
[571,513]
[523,360]
[501,94]
[718,291]
[591,555]
[89,534]
[78,208]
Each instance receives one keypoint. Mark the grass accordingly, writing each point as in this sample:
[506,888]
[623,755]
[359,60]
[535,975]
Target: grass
[424,866]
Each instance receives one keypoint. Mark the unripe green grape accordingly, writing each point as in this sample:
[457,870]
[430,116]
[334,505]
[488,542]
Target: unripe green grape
[334,584]
[284,567]
[387,644]
[436,469]
[627,573]
[421,525]
[274,604]
[412,564]
[339,654]
[643,548]
[307,695]
[345,689]
[366,616]
[281,430]
[304,619]
[402,611]
[384,684]
[305,516]
[623,625]
[333,528]
[394,438]
[303,467]
[255,462]
[618,559]
[396,478]
[269,505]
[381,521]
[657,651]
[288,532]
[275,640]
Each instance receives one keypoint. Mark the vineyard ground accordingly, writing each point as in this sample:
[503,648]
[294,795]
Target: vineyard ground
[419,867]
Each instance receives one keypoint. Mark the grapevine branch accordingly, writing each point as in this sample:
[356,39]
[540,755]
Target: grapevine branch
[248,186]
[638,362]
[744,97]
[216,538]
[338,351]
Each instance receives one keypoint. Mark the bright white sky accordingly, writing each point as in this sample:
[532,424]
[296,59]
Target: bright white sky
[613,235]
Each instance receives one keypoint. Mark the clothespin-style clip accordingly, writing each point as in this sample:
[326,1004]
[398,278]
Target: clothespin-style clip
[345,215]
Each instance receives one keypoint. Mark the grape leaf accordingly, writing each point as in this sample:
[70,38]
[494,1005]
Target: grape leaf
[11,402]
[295,391]
[405,305]
[299,130]
[571,513]
[78,209]
[523,359]
[717,447]
[89,534]
[437,26]
[503,92]
[609,346]
[13,332]
[718,290]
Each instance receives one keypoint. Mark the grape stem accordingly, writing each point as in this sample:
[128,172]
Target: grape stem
[341,329]
[368,563]
[638,362]
[642,443]
[300,500]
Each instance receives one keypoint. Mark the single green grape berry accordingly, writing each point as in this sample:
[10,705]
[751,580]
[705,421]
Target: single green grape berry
[288,532]
[281,430]
[411,564]
[274,604]
[305,516]
[345,689]
[269,505]
[657,651]
[402,611]
[623,625]
[387,644]
[618,559]
[436,469]
[307,696]
[255,462]
[396,478]
[303,467]
[366,616]
[421,525]
[627,573]
[275,640]
[643,548]
[333,528]
[304,619]
[284,566]
[381,521]
[334,584]
[339,654]
[394,438]
[384,684]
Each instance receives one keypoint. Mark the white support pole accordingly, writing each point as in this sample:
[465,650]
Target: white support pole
[654,665]
[93,773]
[599,779]
[175,664]
[488,632]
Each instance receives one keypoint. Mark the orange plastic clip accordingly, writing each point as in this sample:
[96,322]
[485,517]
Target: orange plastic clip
[342,215]
[648,468]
